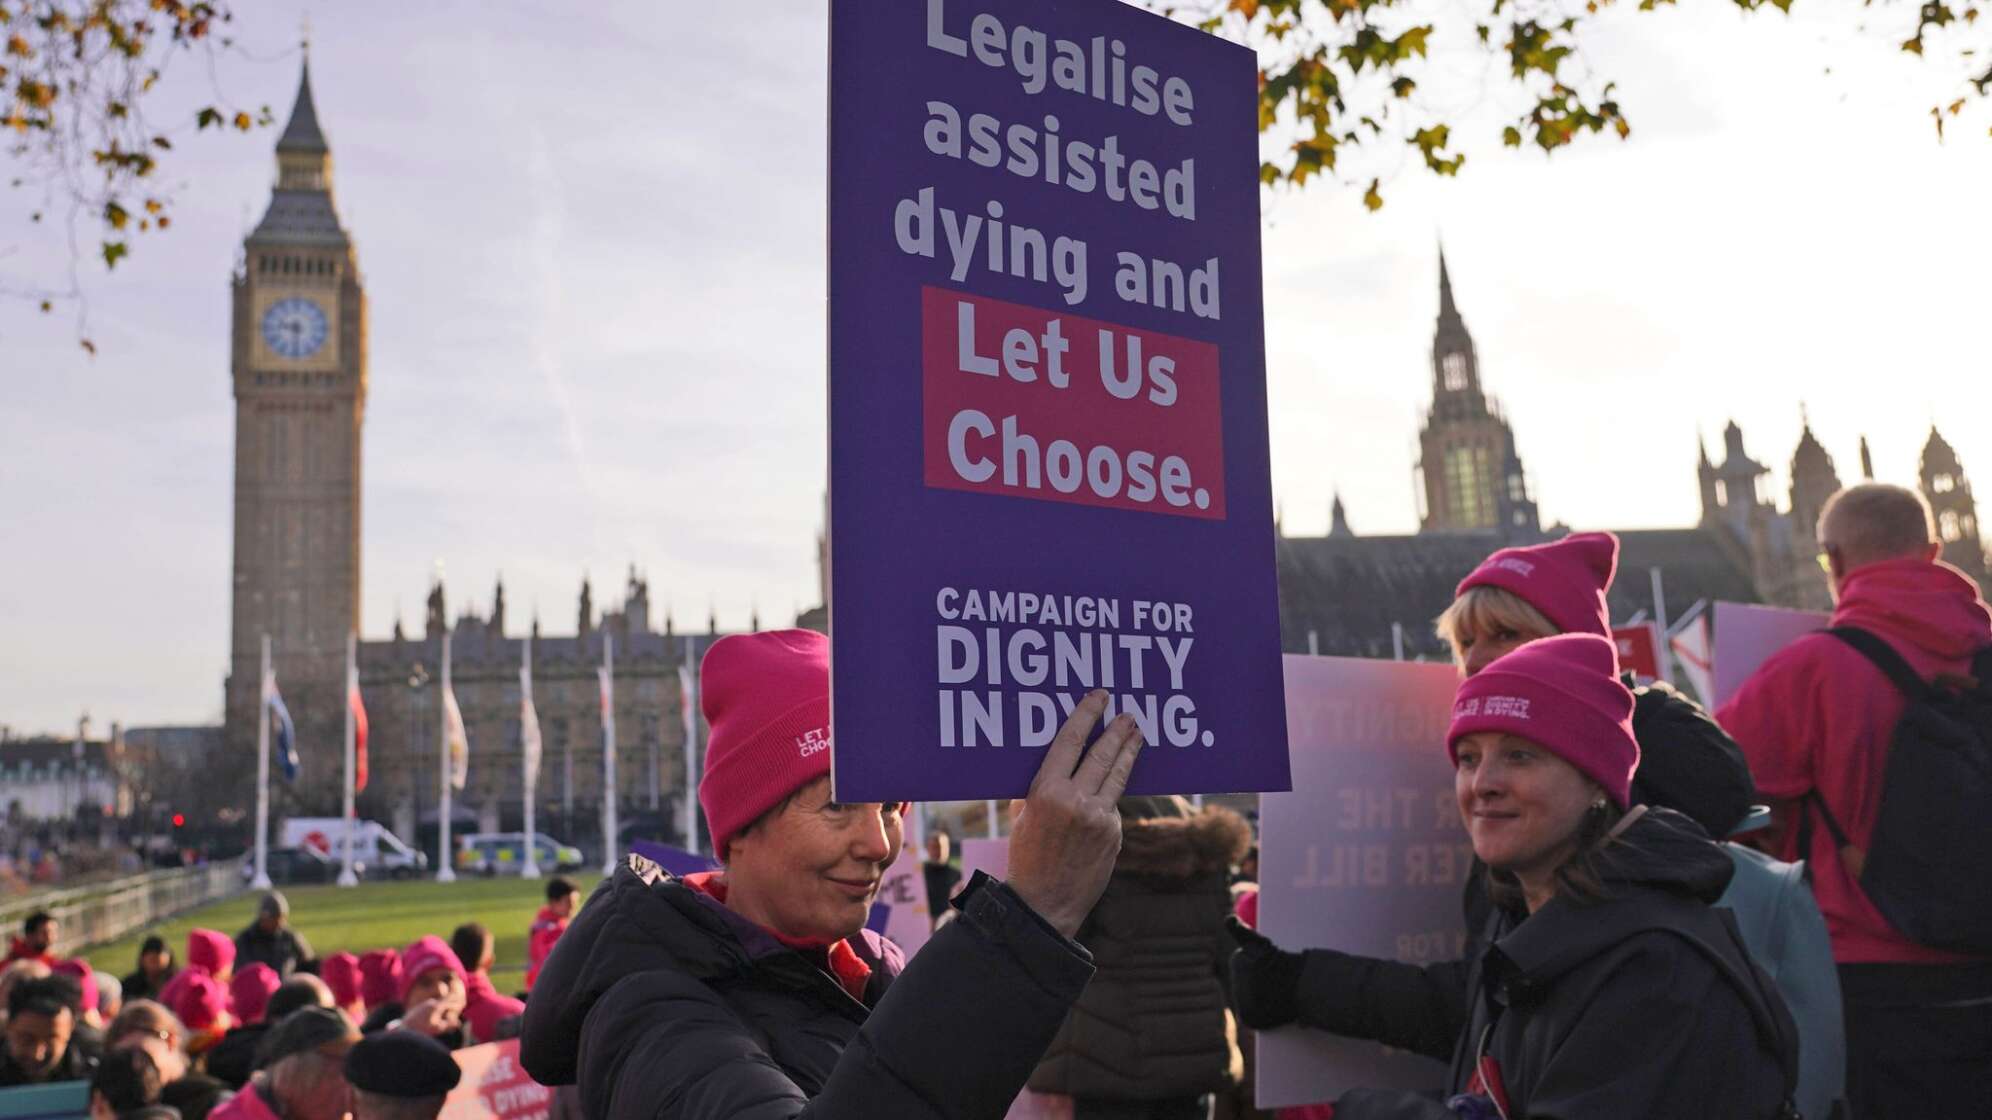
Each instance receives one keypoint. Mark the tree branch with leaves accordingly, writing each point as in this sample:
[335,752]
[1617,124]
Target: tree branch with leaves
[76,77]
[1341,77]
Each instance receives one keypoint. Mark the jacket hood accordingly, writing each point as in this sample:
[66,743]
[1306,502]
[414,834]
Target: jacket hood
[1182,847]
[1663,854]
[1932,606]
[644,919]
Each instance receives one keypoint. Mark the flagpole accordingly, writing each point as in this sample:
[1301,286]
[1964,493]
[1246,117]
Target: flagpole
[346,876]
[447,872]
[608,754]
[262,880]
[1665,667]
[529,781]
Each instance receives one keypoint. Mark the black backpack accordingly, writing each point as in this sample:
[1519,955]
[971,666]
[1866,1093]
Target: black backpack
[1929,867]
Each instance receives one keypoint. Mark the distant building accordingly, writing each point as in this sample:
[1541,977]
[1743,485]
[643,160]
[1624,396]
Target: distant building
[300,376]
[1472,476]
[45,778]
[1352,595]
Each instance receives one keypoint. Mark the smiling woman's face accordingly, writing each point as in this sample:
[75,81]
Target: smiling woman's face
[811,870]
[1522,805]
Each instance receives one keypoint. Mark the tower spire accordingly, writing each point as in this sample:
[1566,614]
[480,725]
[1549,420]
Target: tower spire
[1867,461]
[1446,308]
[302,133]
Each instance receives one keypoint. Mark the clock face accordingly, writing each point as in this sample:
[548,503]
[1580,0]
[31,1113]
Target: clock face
[294,328]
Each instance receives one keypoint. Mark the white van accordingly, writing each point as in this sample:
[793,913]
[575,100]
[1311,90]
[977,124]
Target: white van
[373,845]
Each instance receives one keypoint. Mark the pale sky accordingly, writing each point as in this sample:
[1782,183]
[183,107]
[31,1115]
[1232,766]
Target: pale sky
[593,247]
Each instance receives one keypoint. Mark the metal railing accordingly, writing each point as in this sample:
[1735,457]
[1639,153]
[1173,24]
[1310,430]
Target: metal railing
[101,912]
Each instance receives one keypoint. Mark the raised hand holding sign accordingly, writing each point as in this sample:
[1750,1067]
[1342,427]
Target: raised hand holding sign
[1068,831]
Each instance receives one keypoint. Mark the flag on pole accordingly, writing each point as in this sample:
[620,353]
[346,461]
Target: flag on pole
[688,704]
[286,744]
[359,710]
[608,689]
[1691,649]
[529,729]
[458,742]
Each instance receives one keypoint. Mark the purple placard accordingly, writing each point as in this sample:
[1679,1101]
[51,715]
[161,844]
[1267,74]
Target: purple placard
[1048,445]
[677,861]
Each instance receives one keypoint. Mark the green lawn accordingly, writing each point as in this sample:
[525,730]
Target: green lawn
[369,916]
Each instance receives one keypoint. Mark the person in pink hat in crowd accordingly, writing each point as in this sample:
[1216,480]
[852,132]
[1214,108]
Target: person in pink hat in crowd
[249,992]
[380,977]
[1689,764]
[86,983]
[210,953]
[341,973]
[201,1003]
[431,998]
[234,1057]
[756,990]
[484,1009]
[1607,985]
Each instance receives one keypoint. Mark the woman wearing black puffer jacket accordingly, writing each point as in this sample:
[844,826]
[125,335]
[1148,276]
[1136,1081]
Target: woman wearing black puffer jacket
[1607,987]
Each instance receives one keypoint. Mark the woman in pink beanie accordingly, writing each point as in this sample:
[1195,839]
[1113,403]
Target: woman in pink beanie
[757,990]
[430,999]
[210,953]
[1606,984]
[1520,594]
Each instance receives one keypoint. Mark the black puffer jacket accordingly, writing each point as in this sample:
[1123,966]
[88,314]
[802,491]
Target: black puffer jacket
[662,1003]
[1155,1023]
[1617,1008]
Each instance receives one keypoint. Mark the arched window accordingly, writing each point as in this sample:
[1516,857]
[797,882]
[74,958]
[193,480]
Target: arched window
[1948,526]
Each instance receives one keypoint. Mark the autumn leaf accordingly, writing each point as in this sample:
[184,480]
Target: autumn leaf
[206,117]
[1371,197]
[115,215]
[113,252]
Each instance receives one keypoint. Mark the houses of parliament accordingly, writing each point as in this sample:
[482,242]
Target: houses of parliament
[299,371]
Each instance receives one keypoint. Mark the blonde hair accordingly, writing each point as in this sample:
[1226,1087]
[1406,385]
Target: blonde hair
[1485,610]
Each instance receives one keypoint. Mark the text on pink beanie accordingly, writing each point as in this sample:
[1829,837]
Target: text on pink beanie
[767,702]
[1562,694]
[1566,580]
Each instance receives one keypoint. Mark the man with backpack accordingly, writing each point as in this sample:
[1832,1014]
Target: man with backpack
[1873,739]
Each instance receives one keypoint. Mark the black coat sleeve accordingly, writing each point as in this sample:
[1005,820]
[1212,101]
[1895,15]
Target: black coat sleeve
[1687,762]
[956,1035]
[1421,1008]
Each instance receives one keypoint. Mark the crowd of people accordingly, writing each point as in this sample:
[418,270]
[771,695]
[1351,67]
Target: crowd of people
[1673,914]
[258,1026]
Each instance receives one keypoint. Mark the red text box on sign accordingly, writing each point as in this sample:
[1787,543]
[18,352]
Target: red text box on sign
[1031,403]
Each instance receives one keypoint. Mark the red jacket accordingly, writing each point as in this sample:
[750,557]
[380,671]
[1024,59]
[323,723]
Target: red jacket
[20,951]
[546,929]
[484,1008]
[1819,716]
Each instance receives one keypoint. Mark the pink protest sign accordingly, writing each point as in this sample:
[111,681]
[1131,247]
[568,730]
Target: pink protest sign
[1746,635]
[1367,854]
[903,893]
[495,1086]
[985,854]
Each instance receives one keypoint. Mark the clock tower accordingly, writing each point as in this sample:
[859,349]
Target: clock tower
[299,371]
